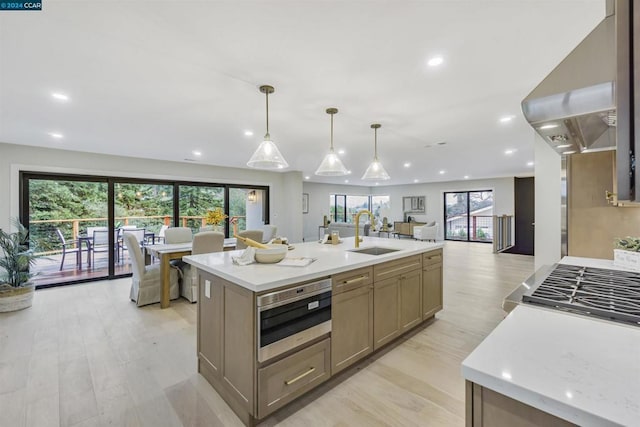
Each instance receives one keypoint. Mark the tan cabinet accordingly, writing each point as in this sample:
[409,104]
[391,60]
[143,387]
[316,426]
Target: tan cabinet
[406,228]
[410,300]
[487,408]
[431,283]
[210,325]
[386,311]
[351,318]
[286,379]
[397,302]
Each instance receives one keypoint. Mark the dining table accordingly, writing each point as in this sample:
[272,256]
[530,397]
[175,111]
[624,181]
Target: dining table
[166,252]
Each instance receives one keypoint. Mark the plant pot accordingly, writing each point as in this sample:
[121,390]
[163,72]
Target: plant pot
[14,299]
[626,259]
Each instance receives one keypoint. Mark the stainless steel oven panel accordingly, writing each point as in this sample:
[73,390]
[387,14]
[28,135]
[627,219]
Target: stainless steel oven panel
[274,349]
[275,299]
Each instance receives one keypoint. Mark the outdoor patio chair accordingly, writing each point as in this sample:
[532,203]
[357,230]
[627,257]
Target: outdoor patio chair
[68,247]
[251,234]
[100,243]
[145,282]
[204,242]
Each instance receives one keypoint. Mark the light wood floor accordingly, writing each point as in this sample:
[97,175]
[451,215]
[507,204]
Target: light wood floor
[84,355]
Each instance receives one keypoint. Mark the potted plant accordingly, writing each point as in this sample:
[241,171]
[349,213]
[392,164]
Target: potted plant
[627,253]
[16,260]
[215,218]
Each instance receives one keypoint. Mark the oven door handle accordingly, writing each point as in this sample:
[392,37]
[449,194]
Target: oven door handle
[299,377]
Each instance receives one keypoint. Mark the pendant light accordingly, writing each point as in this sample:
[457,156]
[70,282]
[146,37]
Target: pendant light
[375,171]
[267,156]
[331,165]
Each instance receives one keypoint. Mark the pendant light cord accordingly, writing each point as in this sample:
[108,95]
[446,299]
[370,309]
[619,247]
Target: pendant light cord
[267,98]
[375,143]
[332,132]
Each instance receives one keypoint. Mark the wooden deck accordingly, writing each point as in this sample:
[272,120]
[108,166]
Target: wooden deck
[49,272]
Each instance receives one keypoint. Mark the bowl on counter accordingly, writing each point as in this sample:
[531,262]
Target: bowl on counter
[274,253]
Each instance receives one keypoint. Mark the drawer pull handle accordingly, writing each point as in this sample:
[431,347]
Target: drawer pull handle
[299,377]
[357,279]
[404,267]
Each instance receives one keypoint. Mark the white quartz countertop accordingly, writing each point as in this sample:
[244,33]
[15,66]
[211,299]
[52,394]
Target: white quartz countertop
[329,259]
[581,369]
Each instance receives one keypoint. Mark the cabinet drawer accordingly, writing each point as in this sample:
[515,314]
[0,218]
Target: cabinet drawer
[400,266]
[433,257]
[353,279]
[286,379]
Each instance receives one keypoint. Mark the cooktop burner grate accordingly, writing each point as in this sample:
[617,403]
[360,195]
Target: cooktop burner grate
[609,294]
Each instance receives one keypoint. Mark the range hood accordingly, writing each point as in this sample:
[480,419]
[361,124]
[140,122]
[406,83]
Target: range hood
[585,104]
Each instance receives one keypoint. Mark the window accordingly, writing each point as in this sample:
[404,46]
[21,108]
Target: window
[469,216]
[343,208]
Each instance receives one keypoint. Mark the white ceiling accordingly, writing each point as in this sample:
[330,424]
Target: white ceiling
[161,79]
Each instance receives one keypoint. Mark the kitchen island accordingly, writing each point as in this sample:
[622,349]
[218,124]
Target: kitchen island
[351,304]
[542,366]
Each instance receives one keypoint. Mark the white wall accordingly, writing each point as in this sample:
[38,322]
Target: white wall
[547,230]
[16,158]
[434,192]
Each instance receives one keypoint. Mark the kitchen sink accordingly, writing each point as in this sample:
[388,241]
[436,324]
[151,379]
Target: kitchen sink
[376,250]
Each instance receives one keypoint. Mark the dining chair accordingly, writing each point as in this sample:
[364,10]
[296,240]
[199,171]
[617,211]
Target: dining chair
[146,285]
[251,234]
[68,247]
[204,242]
[178,235]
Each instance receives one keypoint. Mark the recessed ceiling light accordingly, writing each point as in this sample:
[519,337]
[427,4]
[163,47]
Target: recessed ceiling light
[415,180]
[60,96]
[466,177]
[248,133]
[196,153]
[564,146]
[548,127]
[509,152]
[377,183]
[407,164]
[340,151]
[307,177]
[441,172]
[530,163]
[349,172]
[435,61]
[56,135]
[506,375]
[346,181]
[506,119]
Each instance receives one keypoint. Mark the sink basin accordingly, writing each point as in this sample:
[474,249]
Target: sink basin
[376,250]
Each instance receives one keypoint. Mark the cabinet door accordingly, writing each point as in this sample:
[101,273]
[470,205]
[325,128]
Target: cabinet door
[386,311]
[410,300]
[351,327]
[209,324]
[431,290]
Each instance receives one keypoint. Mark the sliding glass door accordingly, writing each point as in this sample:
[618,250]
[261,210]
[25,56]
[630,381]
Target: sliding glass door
[469,215]
[62,214]
[195,201]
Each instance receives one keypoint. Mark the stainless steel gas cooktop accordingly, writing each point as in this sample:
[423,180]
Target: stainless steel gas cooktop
[609,294]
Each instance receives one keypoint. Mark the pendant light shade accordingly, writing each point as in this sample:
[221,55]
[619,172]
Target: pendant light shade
[267,156]
[331,164]
[375,171]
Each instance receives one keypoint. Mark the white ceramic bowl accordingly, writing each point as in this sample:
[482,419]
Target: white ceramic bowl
[275,253]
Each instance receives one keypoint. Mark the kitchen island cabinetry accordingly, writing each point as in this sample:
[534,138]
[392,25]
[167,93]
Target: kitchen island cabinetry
[238,306]
[431,283]
[351,318]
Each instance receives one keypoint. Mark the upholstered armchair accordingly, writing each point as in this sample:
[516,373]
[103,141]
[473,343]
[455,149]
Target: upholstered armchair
[204,242]
[268,232]
[145,282]
[429,231]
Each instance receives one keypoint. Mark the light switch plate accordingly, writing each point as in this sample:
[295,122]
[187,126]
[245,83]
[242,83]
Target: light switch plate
[207,288]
